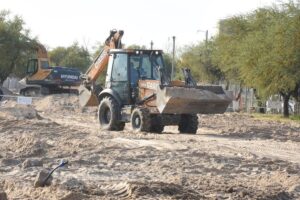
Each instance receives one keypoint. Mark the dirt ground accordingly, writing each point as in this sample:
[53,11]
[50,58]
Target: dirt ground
[232,156]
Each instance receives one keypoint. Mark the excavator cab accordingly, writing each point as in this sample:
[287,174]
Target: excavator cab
[32,66]
[38,70]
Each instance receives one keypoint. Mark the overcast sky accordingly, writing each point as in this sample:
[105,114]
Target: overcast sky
[61,22]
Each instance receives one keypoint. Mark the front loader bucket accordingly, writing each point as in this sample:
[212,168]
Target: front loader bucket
[188,100]
[86,97]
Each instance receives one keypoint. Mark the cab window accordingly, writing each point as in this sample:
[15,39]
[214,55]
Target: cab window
[45,64]
[145,70]
[119,69]
[32,66]
[156,62]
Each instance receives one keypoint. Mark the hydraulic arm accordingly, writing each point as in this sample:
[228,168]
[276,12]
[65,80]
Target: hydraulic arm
[87,96]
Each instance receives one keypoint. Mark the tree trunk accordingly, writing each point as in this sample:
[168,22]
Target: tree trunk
[286,98]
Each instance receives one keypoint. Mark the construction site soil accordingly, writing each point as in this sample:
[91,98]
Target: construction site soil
[232,156]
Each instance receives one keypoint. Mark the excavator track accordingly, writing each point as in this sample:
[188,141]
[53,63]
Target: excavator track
[42,91]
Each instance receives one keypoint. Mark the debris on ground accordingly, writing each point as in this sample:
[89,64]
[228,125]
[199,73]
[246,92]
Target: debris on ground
[40,179]
[232,156]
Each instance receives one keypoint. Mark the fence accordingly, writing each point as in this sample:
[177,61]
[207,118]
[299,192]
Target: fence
[247,102]
[61,101]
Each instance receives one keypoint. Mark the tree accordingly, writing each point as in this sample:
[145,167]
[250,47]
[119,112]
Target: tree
[57,55]
[199,59]
[16,46]
[168,64]
[262,49]
[73,56]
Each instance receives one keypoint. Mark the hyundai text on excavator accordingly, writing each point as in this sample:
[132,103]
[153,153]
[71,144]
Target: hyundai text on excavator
[138,90]
[43,79]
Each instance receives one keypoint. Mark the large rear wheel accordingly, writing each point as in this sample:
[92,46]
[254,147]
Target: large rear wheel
[1,93]
[188,124]
[140,120]
[96,90]
[156,124]
[108,114]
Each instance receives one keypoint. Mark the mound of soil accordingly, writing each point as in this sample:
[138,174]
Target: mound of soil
[19,112]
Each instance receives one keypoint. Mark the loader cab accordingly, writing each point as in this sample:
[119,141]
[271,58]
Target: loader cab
[144,65]
[127,67]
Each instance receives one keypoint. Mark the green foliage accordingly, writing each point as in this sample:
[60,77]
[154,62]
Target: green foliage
[227,47]
[199,59]
[168,65]
[57,55]
[97,49]
[276,117]
[262,49]
[16,45]
[73,56]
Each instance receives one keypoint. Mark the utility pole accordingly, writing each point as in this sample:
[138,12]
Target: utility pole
[206,37]
[173,59]
[151,44]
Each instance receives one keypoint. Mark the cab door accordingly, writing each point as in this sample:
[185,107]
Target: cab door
[119,76]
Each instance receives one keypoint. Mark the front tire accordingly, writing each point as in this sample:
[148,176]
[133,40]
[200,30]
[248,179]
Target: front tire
[188,124]
[140,120]
[108,115]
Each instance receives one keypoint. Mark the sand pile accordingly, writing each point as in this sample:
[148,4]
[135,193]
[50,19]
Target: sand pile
[57,102]
[19,112]
[232,156]
[4,91]
[234,125]
[150,190]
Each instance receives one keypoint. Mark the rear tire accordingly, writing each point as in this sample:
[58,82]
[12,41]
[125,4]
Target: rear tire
[188,124]
[108,115]
[96,90]
[156,124]
[140,120]
[1,93]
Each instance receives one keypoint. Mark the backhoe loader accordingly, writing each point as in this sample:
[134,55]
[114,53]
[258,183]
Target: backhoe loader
[138,90]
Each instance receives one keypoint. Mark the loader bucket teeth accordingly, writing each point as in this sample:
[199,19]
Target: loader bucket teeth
[188,100]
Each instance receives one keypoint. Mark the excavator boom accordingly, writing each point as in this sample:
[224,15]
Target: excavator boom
[87,97]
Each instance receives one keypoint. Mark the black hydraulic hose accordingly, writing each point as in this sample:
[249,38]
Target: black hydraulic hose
[146,98]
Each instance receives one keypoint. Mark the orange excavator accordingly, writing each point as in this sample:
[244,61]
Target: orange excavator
[42,78]
[138,90]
